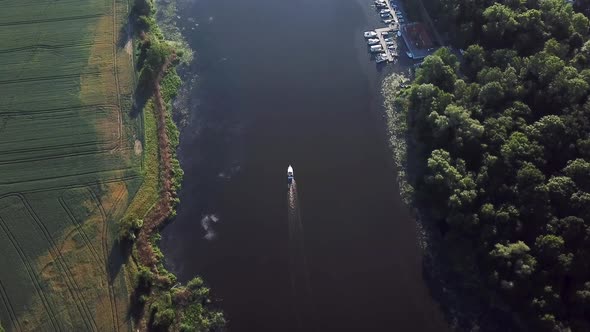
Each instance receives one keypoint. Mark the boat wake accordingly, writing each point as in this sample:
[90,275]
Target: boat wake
[300,280]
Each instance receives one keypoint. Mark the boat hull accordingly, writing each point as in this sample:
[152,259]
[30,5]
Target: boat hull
[290,175]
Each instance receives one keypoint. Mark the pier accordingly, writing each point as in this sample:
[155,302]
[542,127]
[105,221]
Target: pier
[390,30]
[386,50]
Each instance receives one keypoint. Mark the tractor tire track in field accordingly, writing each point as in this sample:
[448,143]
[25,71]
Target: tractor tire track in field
[34,278]
[35,47]
[76,186]
[78,225]
[116,72]
[112,282]
[66,176]
[60,156]
[57,155]
[48,78]
[9,307]
[105,250]
[51,20]
[49,148]
[73,287]
[25,112]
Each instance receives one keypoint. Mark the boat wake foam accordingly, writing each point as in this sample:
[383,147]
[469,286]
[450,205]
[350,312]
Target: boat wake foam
[299,271]
[207,223]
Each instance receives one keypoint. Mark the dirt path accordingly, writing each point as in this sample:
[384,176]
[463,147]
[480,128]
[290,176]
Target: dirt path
[162,209]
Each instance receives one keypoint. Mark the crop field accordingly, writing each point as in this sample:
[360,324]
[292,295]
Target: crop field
[70,163]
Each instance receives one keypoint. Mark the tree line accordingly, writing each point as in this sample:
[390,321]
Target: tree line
[500,136]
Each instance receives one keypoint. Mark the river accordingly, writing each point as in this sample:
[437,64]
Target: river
[290,82]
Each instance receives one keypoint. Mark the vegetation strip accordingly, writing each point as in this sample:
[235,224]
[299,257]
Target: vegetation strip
[161,303]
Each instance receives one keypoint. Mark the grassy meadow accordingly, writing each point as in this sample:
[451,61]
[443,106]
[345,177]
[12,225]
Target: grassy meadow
[71,159]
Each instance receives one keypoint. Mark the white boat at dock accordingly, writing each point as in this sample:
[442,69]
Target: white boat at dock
[376,49]
[381,58]
[370,34]
[372,41]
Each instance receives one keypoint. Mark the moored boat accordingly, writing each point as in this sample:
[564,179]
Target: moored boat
[370,34]
[372,41]
[376,48]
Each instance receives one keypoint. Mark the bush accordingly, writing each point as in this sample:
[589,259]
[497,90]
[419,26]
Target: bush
[144,8]
[129,227]
[164,318]
[143,278]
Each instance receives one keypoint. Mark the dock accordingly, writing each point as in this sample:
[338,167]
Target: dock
[382,41]
[391,30]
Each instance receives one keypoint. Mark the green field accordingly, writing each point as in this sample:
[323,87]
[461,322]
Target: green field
[70,163]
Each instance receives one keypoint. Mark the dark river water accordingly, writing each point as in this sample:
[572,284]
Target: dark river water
[290,82]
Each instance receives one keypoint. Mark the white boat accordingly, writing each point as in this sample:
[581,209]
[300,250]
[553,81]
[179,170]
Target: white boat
[372,41]
[389,43]
[399,33]
[290,175]
[370,34]
[381,58]
[388,21]
[385,11]
[387,15]
[376,48]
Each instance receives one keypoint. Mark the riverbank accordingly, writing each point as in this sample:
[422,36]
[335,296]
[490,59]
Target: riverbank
[158,301]
[463,311]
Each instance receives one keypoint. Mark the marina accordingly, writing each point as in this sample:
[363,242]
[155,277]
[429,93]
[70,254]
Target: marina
[379,40]
[414,35]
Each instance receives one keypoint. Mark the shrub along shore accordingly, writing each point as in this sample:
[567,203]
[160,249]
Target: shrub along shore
[159,302]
